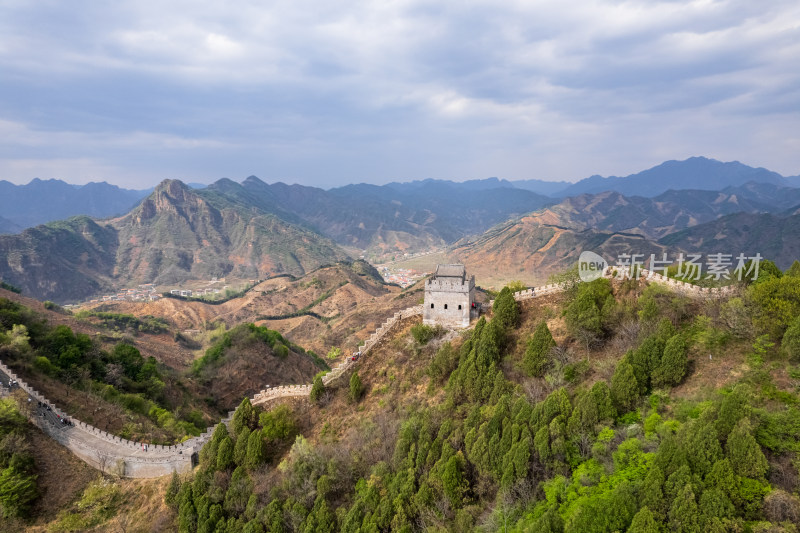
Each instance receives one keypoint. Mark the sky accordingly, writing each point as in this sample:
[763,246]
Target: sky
[326,93]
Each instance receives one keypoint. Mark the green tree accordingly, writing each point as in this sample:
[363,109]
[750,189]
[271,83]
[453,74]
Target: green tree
[794,270]
[256,451]
[516,286]
[317,389]
[187,518]
[239,491]
[624,388]
[225,454]
[591,308]
[443,363]
[453,480]
[18,491]
[673,364]
[240,448]
[703,449]
[422,333]
[19,338]
[173,488]
[245,416]
[744,453]
[791,340]
[676,481]
[537,353]
[505,309]
[644,522]
[776,304]
[733,406]
[684,517]
[722,477]
[651,493]
[714,507]
[281,350]
[356,388]
[278,424]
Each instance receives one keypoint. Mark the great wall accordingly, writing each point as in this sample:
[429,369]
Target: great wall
[113,454]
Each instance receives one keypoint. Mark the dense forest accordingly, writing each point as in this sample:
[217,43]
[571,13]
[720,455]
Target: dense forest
[577,454]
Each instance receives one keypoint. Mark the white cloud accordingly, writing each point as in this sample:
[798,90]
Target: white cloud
[321,91]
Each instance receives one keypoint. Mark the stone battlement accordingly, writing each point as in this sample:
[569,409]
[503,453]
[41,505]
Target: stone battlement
[448,285]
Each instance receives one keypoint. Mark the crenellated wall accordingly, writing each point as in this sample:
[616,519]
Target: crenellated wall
[113,454]
[100,449]
[646,275]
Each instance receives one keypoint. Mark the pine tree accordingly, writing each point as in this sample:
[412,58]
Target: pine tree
[453,481]
[722,477]
[245,416]
[256,451]
[18,490]
[356,388]
[225,454]
[187,517]
[317,389]
[621,506]
[684,516]
[624,388]
[585,415]
[644,522]
[673,364]
[703,449]
[794,270]
[171,494]
[651,493]
[240,449]
[590,309]
[505,309]
[537,354]
[791,339]
[745,454]
[733,407]
[714,507]
[601,395]
[239,490]
[676,481]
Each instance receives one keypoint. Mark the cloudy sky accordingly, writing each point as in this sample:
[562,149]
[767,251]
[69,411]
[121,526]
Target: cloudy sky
[325,93]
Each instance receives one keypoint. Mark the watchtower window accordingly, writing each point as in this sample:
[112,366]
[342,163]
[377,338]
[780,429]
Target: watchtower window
[431,306]
[459,307]
[445,306]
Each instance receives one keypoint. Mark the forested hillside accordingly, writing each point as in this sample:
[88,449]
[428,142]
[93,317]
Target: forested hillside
[617,407]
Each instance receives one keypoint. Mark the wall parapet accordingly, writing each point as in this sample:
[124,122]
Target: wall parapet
[98,448]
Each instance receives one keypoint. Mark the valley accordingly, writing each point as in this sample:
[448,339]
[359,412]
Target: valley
[586,389]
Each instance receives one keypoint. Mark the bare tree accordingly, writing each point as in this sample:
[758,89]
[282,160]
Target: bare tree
[589,339]
[103,460]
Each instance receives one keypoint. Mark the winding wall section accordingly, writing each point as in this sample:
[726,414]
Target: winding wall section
[113,454]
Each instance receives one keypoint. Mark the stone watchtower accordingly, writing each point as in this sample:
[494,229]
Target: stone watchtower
[449,296]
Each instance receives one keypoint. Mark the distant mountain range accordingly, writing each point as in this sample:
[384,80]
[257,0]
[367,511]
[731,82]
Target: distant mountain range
[247,230]
[668,212]
[6,226]
[254,229]
[173,235]
[42,201]
[694,173]
[775,237]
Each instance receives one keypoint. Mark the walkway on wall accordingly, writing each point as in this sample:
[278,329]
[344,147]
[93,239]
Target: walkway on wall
[113,454]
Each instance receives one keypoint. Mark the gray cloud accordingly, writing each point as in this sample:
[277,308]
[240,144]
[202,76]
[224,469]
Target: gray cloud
[134,92]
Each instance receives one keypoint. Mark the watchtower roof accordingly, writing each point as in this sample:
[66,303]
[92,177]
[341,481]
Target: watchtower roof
[450,271]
